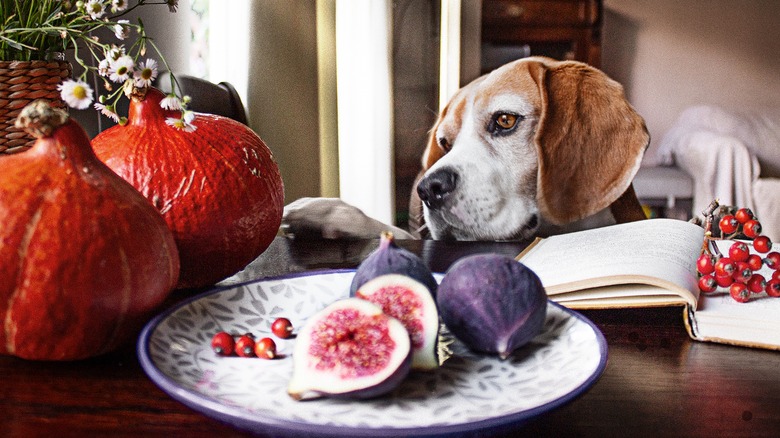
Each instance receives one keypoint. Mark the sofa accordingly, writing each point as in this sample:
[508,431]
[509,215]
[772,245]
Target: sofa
[730,155]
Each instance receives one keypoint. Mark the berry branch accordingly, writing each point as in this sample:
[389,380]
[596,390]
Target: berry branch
[737,271]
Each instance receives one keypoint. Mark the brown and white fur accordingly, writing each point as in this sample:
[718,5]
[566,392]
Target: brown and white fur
[536,147]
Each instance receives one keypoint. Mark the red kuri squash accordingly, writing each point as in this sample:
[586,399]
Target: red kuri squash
[217,187]
[84,258]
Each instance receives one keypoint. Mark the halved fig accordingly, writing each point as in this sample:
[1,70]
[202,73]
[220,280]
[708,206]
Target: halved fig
[409,301]
[389,258]
[350,349]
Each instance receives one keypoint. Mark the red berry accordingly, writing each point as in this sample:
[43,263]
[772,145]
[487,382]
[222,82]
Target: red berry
[755,262]
[740,292]
[739,251]
[223,344]
[725,267]
[707,283]
[743,215]
[756,283]
[705,264]
[743,272]
[776,275]
[773,260]
[282,327]
[773,288]
[762,244]
[245,346]
[265,348]
[752,228]
[728,224]
[724,280]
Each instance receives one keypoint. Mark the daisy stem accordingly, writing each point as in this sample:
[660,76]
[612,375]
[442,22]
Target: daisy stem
[174,82]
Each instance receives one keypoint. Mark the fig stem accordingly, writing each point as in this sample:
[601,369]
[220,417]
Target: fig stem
[40,119]
[386,238]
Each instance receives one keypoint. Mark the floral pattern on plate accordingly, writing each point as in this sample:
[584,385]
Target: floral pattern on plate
[468,392]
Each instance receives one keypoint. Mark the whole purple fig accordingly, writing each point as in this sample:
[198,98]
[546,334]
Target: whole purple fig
[350,349]
[389,258]
[492,303]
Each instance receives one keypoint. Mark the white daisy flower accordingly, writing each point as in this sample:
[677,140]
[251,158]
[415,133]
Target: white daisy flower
[188,116]
[95,9]
[128,87]
[103,67]
[121,29]
[77,94]
[171,102]
[118,5]
[146,73]
[121,69]
[180,124]
[115,53]
[108,111]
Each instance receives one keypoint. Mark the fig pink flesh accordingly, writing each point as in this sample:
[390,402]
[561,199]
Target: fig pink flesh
[404,305]
[339,343]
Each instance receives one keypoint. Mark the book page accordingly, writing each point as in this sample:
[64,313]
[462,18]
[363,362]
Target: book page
[623,291]
[661,252]
[720,317]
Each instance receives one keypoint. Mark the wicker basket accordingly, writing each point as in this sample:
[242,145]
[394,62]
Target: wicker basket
[22,82]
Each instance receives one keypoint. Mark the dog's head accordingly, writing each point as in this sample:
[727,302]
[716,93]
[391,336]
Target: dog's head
[534,141]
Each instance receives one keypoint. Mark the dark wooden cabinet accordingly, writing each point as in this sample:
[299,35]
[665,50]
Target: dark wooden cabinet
[560,29]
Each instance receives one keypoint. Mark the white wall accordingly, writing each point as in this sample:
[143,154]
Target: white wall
[171,33]
[670,54]
[282,89]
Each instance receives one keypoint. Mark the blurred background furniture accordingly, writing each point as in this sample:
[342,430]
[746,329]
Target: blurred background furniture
[729,154]
[207,97]
[664,191]
[560,29]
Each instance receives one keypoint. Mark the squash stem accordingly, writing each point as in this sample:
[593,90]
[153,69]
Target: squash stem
[40,119]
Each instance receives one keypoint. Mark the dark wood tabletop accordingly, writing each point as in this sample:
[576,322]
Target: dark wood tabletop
[657,381]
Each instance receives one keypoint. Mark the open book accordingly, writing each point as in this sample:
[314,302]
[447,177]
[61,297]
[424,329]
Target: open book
[649,263]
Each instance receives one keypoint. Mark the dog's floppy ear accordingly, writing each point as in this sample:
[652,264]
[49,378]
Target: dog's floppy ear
[589,139]
[433,152]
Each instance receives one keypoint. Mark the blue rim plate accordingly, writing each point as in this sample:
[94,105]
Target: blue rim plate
[468,394]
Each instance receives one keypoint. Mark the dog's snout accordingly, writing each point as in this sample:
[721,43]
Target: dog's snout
[434,188]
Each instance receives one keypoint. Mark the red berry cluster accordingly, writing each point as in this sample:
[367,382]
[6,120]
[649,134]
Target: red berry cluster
[738,270]
[226,344]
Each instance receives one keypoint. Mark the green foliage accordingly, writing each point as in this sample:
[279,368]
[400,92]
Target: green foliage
[92,31]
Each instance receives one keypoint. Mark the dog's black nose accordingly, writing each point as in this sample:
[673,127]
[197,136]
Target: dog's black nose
[434,188]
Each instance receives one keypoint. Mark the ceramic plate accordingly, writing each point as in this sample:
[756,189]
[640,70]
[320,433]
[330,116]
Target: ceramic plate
[469,393]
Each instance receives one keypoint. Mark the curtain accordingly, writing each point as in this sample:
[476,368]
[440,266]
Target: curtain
[365,105]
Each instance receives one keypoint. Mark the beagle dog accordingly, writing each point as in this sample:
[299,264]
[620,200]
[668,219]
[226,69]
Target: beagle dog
[536,147]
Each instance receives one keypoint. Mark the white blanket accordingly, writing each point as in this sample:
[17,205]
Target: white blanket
[766,194]
[731,156]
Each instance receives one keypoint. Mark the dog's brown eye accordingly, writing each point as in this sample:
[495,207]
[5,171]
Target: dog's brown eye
[506,121]
[503,123]
[444,143]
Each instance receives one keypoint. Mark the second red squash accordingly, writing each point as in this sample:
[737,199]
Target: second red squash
[218,187]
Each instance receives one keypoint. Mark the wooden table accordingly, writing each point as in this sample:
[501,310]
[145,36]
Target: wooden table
[657,381]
